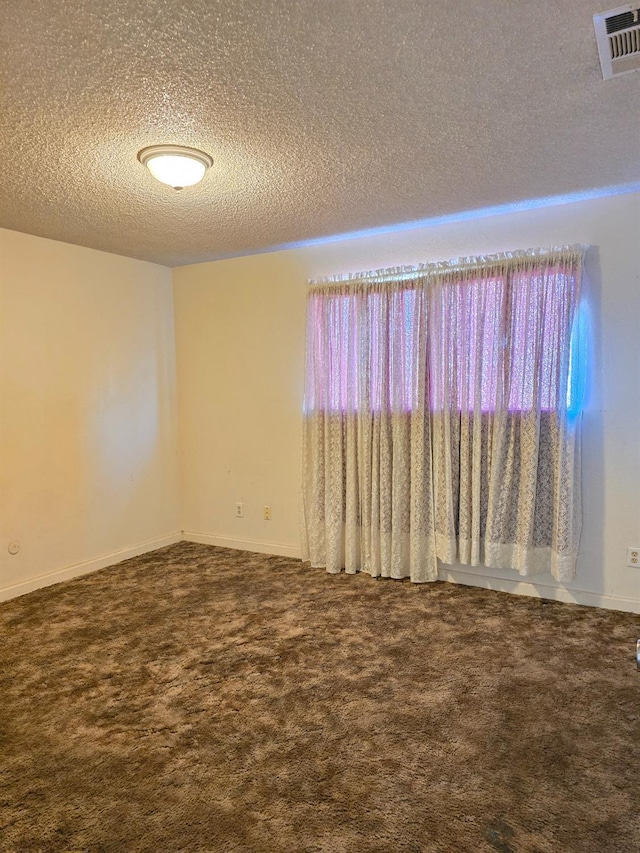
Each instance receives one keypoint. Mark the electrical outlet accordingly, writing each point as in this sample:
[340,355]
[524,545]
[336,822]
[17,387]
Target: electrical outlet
[633,557]
[267,513]
[239,510]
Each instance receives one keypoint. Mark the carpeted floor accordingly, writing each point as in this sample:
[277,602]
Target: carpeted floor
[199,699]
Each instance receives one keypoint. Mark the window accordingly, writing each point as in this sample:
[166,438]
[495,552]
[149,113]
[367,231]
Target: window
[440,417]
[492,342]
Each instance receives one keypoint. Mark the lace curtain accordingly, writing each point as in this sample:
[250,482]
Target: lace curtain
[441,418]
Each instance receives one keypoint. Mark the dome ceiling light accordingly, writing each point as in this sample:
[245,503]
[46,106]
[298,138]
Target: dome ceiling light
[175,165]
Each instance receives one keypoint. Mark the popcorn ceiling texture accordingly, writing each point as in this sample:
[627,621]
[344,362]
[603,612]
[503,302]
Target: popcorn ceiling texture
[321,117]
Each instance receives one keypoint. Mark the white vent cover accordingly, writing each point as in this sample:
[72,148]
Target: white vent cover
[618,36]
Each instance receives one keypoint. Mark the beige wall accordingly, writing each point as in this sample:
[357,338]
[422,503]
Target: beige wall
[87,418]
[88,395]
[240,325]
[240,344]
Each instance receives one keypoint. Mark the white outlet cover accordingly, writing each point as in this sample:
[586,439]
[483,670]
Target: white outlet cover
[633,558]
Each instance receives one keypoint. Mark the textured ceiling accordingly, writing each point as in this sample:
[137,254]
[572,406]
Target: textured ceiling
[322,116]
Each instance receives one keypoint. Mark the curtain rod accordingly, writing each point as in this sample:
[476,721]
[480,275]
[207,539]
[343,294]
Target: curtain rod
[406,273]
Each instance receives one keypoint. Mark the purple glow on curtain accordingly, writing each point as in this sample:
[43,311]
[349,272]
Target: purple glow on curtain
[491,344]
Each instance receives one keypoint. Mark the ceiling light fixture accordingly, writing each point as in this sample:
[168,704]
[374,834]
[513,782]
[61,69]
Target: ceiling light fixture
[175,165]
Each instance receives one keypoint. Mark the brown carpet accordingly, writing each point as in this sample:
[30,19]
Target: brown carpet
[199,699]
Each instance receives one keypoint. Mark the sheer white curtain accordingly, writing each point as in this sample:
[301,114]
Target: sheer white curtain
[441,418]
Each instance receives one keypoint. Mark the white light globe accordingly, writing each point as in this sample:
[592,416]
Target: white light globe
[175,166]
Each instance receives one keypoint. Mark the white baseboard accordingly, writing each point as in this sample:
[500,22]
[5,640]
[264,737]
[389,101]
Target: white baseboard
[542,590]
[87,566]
[243,544]
[516,587]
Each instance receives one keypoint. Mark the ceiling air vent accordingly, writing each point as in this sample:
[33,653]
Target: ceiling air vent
[618,36]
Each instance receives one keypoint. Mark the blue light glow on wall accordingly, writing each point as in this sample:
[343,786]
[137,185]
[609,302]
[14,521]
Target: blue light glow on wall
[577,378]
[462,216]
